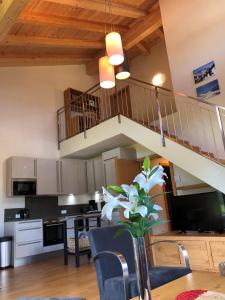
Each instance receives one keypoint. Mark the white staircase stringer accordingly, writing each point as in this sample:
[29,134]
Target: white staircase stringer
[199,166]
[97,137]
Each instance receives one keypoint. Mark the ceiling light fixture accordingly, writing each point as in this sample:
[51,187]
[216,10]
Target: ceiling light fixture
[114,48]
[106,73]
[122,71]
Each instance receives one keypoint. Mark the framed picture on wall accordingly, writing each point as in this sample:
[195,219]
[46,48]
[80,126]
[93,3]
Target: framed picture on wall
[204,72]
[208,90]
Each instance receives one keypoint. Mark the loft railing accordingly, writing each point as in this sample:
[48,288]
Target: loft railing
[194,123]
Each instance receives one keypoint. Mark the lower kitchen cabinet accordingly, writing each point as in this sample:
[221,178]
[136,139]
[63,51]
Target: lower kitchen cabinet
[205,251]
[27,237]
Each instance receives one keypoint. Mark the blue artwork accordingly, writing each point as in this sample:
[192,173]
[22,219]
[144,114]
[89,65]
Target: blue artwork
[204,72]
[208,90]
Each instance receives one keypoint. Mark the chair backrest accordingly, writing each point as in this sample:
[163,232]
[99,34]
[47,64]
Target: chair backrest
[106,239]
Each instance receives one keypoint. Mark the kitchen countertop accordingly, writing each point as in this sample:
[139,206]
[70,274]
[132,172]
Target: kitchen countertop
[60,218]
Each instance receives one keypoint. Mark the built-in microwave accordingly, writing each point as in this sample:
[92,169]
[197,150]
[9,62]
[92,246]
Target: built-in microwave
[24,187]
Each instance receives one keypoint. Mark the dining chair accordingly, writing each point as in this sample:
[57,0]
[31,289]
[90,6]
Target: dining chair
[115,265]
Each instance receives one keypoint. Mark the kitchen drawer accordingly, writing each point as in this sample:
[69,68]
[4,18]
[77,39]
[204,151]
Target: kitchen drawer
[28,249]
[28,224]
[29,234]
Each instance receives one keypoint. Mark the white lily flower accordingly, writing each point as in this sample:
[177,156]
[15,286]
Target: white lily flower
[130,190]
[131,207]
[155,216]
[111,203]
[148,183]
[157,207]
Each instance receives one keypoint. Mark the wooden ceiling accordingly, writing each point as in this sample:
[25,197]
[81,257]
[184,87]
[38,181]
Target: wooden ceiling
[53,32]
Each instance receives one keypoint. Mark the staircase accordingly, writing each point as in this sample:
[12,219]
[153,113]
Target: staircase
[187,131]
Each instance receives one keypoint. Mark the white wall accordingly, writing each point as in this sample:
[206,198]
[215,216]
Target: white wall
[29,98]
[194,33]
[145,66]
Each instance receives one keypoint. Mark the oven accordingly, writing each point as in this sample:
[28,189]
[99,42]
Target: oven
[53,233]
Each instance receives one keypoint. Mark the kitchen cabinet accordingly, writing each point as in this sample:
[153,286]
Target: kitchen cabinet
[21,167]
[205,250]
[120,171]
[98,173]
[72,174]
[120,166]
[90,176]
[95,175]
[28,238]
[47,177]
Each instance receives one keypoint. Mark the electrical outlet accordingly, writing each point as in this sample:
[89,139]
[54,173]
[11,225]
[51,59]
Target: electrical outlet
[63,212]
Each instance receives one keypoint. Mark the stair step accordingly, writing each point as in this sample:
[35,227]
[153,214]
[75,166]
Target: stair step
[195,148]
[208,154]
[222,161]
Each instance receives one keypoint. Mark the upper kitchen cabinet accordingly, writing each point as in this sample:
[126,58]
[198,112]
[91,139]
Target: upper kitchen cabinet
[99,173]
[21,167]
[95,174]
[120,166]
[47,177]
[72,174]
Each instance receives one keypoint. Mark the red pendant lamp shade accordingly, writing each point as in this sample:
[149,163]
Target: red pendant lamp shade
[106,73]
[114,48]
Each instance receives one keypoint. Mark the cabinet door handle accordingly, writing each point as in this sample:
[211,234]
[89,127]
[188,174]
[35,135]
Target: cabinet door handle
[29,243]
[26,222]
[31,228]
[61,176]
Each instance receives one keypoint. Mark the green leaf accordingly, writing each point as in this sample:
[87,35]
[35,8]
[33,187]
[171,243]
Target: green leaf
[115,189]
[146,164]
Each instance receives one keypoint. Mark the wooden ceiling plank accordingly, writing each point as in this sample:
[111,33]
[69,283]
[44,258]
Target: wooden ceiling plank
[18,40]
[65,22]
[43,59]
[118,10]
[9,11]
[149,25]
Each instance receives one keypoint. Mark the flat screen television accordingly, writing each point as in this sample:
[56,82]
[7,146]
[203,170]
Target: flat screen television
[198,212]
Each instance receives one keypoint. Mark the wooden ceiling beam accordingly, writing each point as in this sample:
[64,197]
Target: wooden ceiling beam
[18,40]
[65,22]
[46,59]
[160,34]
[116,9]
[9,11]
[149,24]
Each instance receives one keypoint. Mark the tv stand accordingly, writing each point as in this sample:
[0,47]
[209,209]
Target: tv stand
[206,250]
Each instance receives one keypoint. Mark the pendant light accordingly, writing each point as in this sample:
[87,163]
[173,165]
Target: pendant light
[106,73]
[113,42]
[122,71]
[114,48]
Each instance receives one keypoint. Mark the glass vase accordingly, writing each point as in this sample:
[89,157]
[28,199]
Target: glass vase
[141,264]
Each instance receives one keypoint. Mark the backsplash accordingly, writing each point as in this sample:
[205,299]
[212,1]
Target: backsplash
[44,207]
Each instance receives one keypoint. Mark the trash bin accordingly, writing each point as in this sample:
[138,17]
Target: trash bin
[5,252]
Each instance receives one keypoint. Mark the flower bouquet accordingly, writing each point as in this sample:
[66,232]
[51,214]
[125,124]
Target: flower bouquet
[141,213]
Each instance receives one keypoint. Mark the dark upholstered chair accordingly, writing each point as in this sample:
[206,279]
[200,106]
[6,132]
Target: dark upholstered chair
[115,266]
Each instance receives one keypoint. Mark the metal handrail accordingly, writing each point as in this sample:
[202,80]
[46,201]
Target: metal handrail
[159,110]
